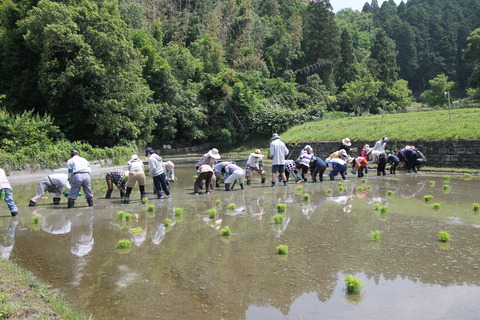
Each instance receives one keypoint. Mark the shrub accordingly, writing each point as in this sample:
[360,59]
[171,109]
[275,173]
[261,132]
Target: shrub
[178,212]
[354,285]
[278,218]
[226,232]
[282,249]
[124,244]
[211,213]
[121,215]
[375,235]
[383,209]
[136,230]
[444,236]
[428,198]
[281,207]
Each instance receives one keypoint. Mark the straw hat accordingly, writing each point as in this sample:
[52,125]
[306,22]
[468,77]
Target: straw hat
[347,142]
[214,154]
[257,153]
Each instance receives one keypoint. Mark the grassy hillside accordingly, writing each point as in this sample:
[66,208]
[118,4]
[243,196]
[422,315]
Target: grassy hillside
[429,125]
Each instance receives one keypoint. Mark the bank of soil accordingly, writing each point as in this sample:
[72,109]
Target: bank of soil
[22,296]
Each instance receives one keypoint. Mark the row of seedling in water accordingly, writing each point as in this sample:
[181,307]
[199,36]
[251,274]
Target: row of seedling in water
[443,236]
[122,215]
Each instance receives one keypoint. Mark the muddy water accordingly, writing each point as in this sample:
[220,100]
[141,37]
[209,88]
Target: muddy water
[188,271]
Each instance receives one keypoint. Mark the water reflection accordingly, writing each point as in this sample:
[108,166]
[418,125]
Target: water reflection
[7,234]
[204,276]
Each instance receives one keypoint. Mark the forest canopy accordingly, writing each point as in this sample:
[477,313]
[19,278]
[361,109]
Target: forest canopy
[184,72]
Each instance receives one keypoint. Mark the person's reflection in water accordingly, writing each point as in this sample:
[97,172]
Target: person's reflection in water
[54,222]
[82,234]
[139,237]
[7,242]
[158,233]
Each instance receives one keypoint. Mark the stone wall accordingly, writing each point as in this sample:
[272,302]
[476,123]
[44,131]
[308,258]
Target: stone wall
[448,154]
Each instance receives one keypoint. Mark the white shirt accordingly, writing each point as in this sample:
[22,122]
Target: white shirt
[60,180]
[3,180]
[379,146]
[78,164]
[254,162]
[135,165]
[278,151]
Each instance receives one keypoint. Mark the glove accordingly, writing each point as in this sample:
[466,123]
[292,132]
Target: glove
[80,194]
[65,193]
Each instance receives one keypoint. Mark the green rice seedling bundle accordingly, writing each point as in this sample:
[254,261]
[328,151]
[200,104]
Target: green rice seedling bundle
[211,213]
[306,196]
[341,188]
[431,183]
[360,189]
[377,206]
[389,193]
[436,205]
[167,222]
[341,184]
[364,181]
[136,230]
[195,178]
[128,216]
[124,244]
[150,207]
[231,206]
[369,187]
[281,207]
[468,176]
[299,188]
[354,285]
[375,235]
[121,215]
[226,231]
[144,200]
[218,202]
[104,190]
[282,249]
[36,219]
[383,209]
[278,218]
[446,187]
[476,207]
[178,212]
[446,178]
[329,191]
[444,236]
[428,197]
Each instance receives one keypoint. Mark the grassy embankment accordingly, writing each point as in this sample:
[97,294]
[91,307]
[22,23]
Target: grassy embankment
[411,126]
[22,296]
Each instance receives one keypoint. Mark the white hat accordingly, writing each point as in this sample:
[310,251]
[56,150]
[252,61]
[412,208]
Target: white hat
[347,142]
[257,153]
[275,136]
[214,154]
[133,157]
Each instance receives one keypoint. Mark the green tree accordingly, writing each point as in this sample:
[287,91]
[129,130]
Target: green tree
[436,96]
[347,69]
[360,96]
[382,63]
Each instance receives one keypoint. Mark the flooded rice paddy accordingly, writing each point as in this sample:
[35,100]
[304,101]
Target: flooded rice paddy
[188,271]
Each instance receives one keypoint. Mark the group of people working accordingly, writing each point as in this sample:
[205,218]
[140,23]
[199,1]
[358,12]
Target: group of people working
[210,172]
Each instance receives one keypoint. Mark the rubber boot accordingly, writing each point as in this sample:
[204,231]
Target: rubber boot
[56,200]
[227,186]
[126,199]
[90,202]
[233,185]
[108,194]
[71,203]
[122,194]
[343,175]
[32,203]
[248,182]
[241,186]
[142,192]
[263,180]
[332,177]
